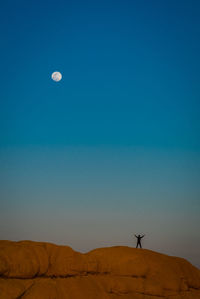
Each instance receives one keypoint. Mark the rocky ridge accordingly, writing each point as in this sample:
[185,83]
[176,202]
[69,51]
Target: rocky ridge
[37,270]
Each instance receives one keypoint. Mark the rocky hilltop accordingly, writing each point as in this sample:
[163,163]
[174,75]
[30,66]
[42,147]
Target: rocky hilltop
[33,270]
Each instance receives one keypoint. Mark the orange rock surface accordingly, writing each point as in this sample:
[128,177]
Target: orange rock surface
[33,270]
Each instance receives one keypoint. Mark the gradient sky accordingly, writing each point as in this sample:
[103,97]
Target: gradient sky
[113,149]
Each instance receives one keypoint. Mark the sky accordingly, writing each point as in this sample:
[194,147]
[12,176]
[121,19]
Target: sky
[113,149]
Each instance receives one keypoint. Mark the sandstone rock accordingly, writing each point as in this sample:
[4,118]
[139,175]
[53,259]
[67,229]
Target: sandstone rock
[36,270]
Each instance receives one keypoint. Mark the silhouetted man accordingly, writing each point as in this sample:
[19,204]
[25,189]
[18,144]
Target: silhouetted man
[139,237]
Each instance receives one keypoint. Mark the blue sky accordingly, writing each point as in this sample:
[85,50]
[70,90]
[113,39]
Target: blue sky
[113,148]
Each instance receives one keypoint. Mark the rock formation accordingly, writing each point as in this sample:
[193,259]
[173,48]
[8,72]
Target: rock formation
[33,270]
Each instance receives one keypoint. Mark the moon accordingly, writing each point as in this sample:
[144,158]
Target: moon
[56,76]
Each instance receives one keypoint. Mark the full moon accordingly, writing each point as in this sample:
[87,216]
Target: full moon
[56,76]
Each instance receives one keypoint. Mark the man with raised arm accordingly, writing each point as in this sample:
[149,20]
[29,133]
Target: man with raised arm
[139,237]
